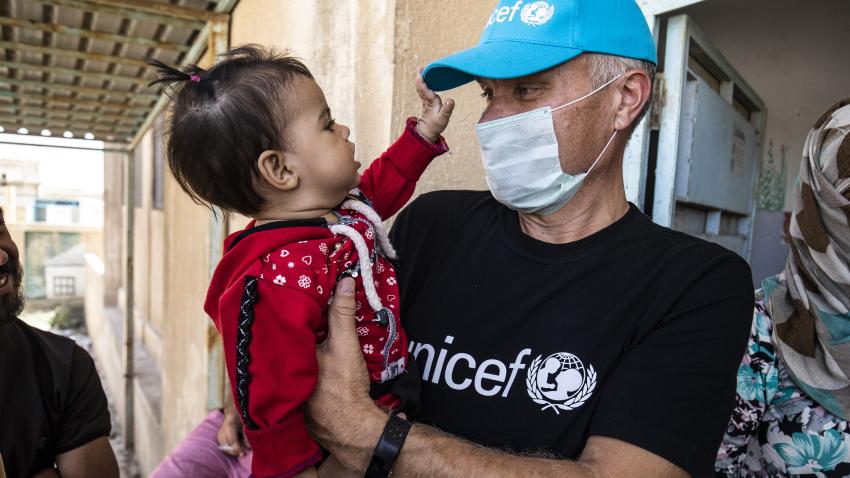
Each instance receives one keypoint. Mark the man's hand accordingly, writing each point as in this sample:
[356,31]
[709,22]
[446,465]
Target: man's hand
[332,468]
[435,114]
[340,414]
[230,439]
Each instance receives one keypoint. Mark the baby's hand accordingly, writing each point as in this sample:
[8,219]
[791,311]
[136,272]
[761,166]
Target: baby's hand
[435,114]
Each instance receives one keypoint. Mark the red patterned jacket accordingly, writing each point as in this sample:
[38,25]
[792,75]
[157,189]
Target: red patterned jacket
[269,297]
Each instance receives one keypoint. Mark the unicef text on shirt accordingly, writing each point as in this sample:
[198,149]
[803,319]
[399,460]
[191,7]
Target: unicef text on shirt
[533,13]
[559,382]
[488,378]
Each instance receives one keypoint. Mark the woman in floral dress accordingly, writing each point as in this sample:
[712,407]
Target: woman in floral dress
[793,401]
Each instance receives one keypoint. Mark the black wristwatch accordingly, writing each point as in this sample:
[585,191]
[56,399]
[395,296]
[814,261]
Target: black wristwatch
[388,448]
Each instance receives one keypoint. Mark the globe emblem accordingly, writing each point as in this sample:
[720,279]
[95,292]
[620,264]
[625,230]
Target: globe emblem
[560,376]
[537,13]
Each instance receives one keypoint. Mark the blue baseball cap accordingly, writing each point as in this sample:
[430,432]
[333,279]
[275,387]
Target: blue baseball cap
[523,37]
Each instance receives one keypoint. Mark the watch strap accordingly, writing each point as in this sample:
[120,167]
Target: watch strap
[388,447]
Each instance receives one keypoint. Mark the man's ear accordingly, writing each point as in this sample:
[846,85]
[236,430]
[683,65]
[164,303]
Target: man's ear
[276,170]
[635,93]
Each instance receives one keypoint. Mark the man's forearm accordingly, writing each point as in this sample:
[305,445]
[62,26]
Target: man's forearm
[428,452]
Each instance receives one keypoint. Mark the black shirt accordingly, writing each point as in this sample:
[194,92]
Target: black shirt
[634,332]
[51,399]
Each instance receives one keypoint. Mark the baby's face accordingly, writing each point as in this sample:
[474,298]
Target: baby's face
[326,166]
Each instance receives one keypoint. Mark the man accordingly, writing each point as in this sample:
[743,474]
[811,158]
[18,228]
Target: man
[557,330]
[53,410]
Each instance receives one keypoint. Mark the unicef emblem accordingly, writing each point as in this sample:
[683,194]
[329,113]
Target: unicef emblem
[560,381]
[537,13]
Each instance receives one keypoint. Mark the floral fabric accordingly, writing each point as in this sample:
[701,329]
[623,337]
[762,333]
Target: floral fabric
[777,429]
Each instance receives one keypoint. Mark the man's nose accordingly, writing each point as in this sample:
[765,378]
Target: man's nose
[497,109]
[4,257]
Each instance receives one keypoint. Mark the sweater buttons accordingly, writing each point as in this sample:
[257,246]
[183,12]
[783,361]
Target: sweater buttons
[382,317]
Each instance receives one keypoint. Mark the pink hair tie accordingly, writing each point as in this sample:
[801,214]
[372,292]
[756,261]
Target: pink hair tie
[195,78]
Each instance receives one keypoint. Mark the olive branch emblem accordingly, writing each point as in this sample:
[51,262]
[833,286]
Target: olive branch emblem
[572,403]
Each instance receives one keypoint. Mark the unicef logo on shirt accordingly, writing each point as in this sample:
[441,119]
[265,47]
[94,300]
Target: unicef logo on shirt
[560,381]
[537,13]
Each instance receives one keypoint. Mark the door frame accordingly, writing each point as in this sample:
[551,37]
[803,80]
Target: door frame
[637,151]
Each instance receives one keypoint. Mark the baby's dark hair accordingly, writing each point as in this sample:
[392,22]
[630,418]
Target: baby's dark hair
[223,118]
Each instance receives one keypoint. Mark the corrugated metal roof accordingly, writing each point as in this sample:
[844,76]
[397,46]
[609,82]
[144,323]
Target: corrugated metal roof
[76,65]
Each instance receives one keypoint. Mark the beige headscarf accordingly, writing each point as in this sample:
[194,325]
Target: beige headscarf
[809,301]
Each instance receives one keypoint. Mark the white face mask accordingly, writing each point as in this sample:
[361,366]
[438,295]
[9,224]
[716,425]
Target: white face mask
[522,163]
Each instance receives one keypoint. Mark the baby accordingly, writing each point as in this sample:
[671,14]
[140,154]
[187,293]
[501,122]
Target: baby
[254,135]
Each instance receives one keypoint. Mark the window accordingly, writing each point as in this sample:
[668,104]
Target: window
[64,286]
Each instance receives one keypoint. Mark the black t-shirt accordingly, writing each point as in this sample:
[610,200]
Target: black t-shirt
[634,332]
[51,399]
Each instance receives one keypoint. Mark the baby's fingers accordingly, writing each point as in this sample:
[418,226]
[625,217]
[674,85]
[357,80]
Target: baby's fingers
[446,112]
[422,89]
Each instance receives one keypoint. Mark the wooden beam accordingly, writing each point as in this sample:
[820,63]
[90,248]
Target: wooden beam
[158,8]
[65,52]
[60,122]
[139,96]
[77,73]
[29,111]
[53,112]
[67,100]
[58,127]
[66,30]
[116,146]
[131,12]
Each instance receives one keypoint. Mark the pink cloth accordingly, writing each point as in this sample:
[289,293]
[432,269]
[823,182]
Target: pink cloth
[198,456]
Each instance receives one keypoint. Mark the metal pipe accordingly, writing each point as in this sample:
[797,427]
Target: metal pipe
[105,150]
[129,304]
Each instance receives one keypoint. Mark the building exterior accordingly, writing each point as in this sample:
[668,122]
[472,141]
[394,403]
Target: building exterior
[64,274]
[45,218]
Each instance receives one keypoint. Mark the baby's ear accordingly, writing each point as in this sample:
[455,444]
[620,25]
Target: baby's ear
[276,170]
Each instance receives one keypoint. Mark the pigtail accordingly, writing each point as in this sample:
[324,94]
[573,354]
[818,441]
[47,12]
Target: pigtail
[168,75]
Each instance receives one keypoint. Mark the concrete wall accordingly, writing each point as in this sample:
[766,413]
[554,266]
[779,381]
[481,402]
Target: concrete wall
[794,55]
[186,328]
[426,31]
[364,55]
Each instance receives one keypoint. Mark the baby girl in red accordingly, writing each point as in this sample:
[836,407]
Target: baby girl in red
[291,168]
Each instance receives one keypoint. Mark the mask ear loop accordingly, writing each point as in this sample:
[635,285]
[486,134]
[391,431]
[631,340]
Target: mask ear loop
[603,152]
[597,90]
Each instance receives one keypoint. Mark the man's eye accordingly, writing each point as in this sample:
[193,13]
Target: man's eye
[330,125]
[526,90]
[486,94]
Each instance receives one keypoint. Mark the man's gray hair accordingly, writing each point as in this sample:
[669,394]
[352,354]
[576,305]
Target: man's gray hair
[604,68]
